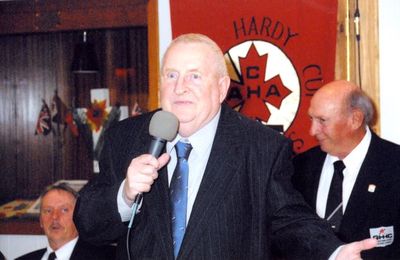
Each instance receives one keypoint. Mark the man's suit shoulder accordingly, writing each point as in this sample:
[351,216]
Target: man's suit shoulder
[250,129]
[127,132]
[34,255]
[132,123]
[82,251]
[384,147]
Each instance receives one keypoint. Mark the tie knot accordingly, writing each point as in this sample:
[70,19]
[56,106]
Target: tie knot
[339,166]
[52,256]
[183,150]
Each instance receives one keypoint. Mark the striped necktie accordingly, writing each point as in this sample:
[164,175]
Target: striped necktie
[178,194]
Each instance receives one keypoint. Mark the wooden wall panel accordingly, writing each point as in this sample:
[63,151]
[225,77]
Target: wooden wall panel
[351,61]
[36,42]
[8,140]
[32,67]
[154,54]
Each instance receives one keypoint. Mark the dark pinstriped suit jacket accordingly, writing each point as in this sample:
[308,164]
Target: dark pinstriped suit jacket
[245,201]
[365,209]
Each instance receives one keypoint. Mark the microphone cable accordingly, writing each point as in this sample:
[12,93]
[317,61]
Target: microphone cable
[135,206]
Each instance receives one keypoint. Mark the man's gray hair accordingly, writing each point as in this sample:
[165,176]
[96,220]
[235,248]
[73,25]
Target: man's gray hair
[62,186]
[360,100]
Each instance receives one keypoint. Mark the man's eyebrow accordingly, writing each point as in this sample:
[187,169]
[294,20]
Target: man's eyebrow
[194,70]
[169,69]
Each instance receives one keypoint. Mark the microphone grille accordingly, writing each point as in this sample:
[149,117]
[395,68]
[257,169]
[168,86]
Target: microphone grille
[164,125]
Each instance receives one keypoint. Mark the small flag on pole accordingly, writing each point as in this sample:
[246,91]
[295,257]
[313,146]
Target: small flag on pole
[69,120]
[58,109]
[43,125]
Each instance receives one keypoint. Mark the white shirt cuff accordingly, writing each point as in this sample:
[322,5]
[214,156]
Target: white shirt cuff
[335,253]
[124,210]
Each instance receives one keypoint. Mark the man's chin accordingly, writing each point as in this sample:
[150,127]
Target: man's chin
[184,118]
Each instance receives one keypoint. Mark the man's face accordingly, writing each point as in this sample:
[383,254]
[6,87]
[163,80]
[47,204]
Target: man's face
[331,124]
[190,88]
[56,212]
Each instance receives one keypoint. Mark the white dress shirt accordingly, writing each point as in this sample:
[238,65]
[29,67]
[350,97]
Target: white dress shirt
[353,163]
[201,142]
[64,252]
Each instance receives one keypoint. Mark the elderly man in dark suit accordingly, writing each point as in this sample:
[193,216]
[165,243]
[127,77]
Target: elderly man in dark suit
[56,210]
[369,204]
[238,198]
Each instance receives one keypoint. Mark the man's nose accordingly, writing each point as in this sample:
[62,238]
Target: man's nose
[180,86]
[314,128]
[55,214]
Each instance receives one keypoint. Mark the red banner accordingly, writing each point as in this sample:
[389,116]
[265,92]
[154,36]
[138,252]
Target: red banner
[279,52]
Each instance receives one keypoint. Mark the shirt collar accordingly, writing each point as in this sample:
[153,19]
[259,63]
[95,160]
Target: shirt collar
[64,252]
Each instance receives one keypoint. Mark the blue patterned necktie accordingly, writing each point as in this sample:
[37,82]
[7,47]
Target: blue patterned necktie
[178,194]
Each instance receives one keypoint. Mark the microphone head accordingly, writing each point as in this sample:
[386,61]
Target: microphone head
[164,125]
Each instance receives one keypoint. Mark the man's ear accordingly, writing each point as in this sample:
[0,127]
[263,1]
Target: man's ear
[357,118]
[223,83]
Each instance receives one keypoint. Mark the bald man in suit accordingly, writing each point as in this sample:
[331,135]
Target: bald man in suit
[341,114]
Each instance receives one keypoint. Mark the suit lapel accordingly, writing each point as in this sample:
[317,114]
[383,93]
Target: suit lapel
[358,205]
[222,164]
